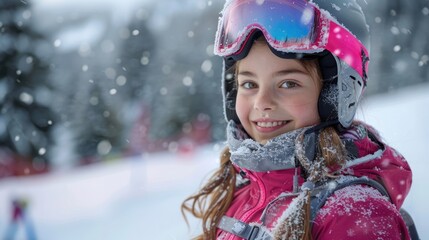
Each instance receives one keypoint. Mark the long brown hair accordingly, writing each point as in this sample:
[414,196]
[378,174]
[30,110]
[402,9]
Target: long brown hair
[332,152]
[215,197]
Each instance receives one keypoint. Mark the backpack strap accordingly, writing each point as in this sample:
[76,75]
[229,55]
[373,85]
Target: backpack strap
[410,224]
[321,193]
[243,230]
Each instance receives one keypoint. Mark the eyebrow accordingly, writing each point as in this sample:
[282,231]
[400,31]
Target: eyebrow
[279,73]
[246,73]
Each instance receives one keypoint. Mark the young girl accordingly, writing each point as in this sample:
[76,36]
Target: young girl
[294,72]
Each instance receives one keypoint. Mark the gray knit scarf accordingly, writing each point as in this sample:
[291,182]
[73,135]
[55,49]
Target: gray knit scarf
[277,154]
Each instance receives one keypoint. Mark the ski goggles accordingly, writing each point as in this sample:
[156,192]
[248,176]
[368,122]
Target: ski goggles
[295,26]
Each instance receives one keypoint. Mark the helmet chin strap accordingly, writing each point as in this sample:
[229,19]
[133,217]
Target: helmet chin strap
[312,134]
[322,125]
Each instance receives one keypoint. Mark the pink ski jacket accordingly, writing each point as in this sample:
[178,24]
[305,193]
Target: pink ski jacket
[354,212]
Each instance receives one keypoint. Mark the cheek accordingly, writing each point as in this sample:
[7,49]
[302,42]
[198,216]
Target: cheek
[300,103]
[305,111]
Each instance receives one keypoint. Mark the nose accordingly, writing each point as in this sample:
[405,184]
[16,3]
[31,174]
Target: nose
[264,100]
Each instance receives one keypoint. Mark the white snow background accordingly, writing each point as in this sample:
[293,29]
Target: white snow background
[139,198]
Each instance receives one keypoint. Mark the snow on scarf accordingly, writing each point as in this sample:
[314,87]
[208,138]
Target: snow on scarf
[277,154]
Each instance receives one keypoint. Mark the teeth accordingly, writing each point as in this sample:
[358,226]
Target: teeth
[270,124]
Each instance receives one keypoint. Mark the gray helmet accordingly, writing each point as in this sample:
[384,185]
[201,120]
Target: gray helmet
[342,83]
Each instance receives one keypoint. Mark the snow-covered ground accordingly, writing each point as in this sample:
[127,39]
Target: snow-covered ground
[124,199]
[140,197]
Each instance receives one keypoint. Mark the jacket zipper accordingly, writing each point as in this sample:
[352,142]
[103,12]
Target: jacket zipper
[259,205]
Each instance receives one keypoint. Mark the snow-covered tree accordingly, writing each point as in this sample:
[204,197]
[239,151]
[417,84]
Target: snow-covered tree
[184,81]
[98,133]
[26,118]
[399,46]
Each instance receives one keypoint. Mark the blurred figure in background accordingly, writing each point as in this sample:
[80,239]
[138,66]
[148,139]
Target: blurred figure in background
[19,215]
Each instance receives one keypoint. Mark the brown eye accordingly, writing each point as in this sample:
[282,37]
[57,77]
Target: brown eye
[289,84]
[248,85]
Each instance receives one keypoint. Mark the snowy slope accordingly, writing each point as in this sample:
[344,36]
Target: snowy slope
[118,200]
[139,198]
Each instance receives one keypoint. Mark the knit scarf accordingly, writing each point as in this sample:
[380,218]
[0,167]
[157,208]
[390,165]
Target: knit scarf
[277,154]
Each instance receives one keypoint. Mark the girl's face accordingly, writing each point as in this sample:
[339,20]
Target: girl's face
[275,95]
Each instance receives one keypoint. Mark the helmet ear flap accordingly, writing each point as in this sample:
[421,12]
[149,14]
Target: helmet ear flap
[350,88]
[328,98]
[341,91]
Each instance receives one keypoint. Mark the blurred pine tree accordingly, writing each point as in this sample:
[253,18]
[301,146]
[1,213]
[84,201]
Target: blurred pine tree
[26,119]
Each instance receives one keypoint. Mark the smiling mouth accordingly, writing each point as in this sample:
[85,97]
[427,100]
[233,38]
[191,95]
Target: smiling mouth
[271,124]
